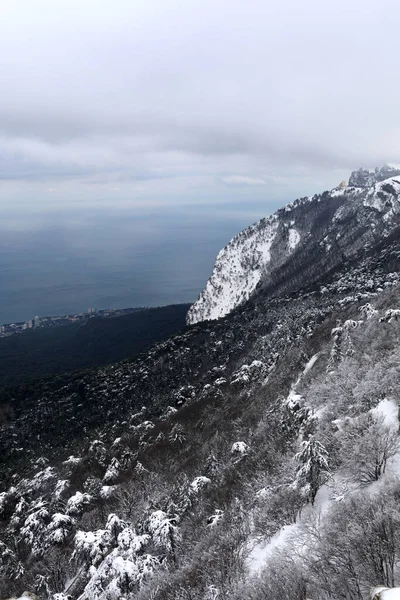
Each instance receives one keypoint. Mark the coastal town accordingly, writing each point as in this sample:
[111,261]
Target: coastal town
[36,322]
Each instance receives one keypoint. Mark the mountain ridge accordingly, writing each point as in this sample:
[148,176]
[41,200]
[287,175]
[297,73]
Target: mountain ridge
[253,256]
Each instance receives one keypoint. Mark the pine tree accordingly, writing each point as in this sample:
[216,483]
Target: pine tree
[313,470]
[336,351]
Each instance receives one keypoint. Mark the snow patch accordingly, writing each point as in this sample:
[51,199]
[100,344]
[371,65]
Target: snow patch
[384,593]
[199,483]
[262,550]
[389,410]
[311,363]
[240,448]
[294,239]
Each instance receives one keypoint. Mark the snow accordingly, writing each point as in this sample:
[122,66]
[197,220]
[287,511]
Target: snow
[292,536]
[390,314]
[351,324]
[58,520]
[253,372]
[169,411]
[113,471]
[107,491]
[238,269]
[215,518]
[128,540]
[114,524]
[240,448]
[249,256]
[61,486]
[384,593]
[337,192]
[329,494]
[311,363]
[368,311]
[199,483]
[59,528]
[262,550]
[263,493]
[157,519]
[162,529]
[77,502]
[380,199]
[45,475]
[93,545]
[389,410]
[115,571]
[294,399]
[72,460]
[294,239]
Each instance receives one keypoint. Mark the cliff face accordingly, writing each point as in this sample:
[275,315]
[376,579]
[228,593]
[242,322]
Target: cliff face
[328,227]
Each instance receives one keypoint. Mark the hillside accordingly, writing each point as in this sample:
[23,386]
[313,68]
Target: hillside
[255,456]
[46,351]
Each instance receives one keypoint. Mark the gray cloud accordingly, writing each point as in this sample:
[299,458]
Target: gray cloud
[240,180]
[191,96]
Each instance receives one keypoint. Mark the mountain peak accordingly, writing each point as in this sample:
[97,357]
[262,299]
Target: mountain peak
[367,178]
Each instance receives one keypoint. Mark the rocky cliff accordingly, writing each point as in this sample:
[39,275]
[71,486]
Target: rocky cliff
[328,227]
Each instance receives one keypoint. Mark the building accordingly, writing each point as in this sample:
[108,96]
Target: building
[36,321]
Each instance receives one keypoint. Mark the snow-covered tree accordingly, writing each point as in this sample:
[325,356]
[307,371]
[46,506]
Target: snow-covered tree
[313,470]
[164,532]
[113,471]
[92,546]
[367,445]
[336,354]
[59,528]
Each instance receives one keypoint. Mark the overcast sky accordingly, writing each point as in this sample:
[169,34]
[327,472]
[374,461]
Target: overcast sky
[160,102]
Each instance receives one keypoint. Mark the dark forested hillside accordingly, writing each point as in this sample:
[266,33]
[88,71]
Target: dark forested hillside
[45,351]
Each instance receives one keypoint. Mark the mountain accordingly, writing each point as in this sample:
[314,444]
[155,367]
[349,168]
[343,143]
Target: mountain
[251,456]
[317,231]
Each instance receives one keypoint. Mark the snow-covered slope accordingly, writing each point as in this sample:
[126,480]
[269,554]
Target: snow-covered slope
[237,271]
[243,263]
[340,222]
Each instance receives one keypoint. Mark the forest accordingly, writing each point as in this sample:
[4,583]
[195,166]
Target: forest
[36,353]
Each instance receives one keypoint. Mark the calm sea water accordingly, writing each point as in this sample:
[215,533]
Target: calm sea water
[64,263]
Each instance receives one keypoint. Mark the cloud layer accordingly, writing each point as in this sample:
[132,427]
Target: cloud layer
[172,101]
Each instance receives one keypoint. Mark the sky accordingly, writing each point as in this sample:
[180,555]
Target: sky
[157,103]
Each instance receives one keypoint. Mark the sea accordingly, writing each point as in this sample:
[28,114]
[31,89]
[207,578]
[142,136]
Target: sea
[65,262]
